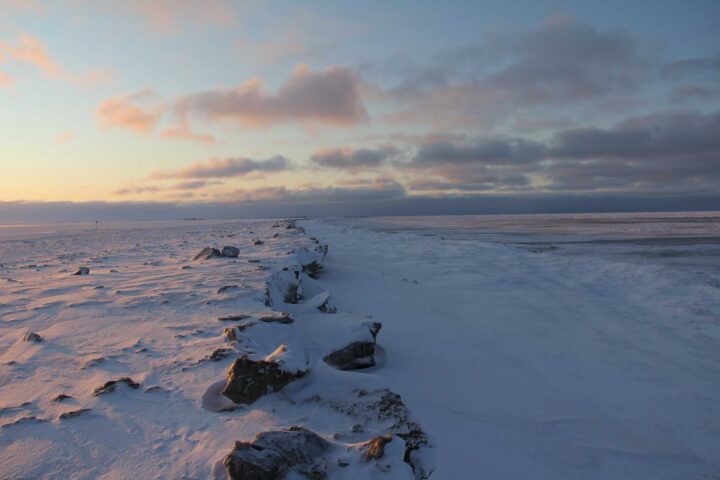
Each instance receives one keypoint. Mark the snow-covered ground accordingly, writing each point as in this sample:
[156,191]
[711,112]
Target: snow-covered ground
[518,363]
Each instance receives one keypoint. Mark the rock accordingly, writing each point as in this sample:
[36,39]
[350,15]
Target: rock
[208,252]
[32,337]
[230,252]
[82,271]
[375,447]
[283,287]
[274,454]
[311,260]
[277,317]
[60,398]
[218,354]
[94,362]
[359,353]
[110,385]
[231,318]
[258,242]
[249,379]
[227,287]
[186,267]
[73,413]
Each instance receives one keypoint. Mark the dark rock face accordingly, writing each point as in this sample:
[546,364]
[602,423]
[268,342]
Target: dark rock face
[353,356]
[32,337]
[277,317]
[60,397]
[230,252]
[82,271]
[258,242]
[272,455]
[208,252]
[358,354]
[110,385]
[248,379]
[376,447]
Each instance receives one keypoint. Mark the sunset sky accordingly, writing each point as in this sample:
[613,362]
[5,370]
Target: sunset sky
[367,107]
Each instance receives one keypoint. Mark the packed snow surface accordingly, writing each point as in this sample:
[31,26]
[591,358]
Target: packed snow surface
[518,362]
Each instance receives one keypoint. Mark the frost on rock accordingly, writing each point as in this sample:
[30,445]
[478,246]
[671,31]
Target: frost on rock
[249,378]
[273,455]
[359,352]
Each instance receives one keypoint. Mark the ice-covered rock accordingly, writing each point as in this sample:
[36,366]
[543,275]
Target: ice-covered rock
[82,271]
[312,260]
[249,377]
[359,352]
[283,287]
[274,454]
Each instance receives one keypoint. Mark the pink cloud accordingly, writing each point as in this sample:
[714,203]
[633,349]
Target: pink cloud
[27,50]
[184,133]
[124,112]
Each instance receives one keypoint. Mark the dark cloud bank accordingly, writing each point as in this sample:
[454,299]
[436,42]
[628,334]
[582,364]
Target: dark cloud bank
[344,202]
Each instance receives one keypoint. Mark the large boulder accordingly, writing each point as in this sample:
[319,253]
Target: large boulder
[249,378]
[208,252]
[312,260]
[359,352]
[274,454]
[230,252]
[283,287]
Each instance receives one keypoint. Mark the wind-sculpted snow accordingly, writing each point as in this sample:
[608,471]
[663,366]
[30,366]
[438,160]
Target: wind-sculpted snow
[169,362]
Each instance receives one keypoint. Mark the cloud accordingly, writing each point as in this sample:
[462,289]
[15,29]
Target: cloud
[670,152]
[137,189]
[352,160]
[281,194]
[328,97]
[361,204]
[195,184]
[489,151]
[229,167]
[184,133]
[65,137]
[689,67]
[562,63]
[130,112]
[27,50]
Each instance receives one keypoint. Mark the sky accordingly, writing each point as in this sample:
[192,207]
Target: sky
[176,108]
